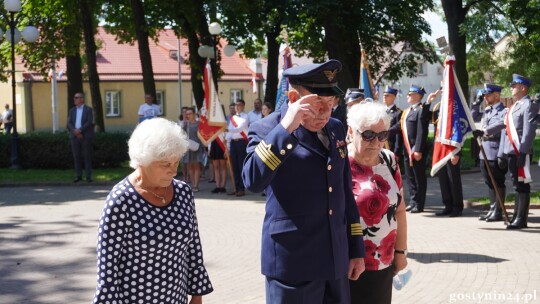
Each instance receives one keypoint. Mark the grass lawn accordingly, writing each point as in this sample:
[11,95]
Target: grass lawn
[510,198]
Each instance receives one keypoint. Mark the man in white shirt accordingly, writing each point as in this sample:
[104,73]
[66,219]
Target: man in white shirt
[237,137]
[7,119]
[256,113]
[148,109]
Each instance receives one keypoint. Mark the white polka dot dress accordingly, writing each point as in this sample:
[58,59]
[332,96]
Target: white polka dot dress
[148,254]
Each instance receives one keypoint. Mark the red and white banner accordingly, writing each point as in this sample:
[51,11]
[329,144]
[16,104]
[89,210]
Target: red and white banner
[211,116]
[455,120]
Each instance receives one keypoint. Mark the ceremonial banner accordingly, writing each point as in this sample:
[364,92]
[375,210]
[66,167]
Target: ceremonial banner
[283,87]
[455,120]
[211,116]
[365,76]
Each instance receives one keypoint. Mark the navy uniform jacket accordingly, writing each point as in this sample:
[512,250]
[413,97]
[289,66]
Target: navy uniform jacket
[417,122]
[395,140]
[524,116]
[340,113]
[492,124]
[311,227]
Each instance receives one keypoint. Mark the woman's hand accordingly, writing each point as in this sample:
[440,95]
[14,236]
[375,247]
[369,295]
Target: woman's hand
[400,262]
[196,300]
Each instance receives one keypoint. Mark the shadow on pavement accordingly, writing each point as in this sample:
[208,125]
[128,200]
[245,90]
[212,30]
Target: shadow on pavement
[453,257]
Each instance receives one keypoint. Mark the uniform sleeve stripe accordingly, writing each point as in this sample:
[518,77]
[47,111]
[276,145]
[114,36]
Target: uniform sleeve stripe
[269,159]
[267,156]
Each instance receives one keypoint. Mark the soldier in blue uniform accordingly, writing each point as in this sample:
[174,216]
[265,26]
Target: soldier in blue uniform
[517,146]
[395,139]
[491,126]
[354,96]
[312,237]
[414,127]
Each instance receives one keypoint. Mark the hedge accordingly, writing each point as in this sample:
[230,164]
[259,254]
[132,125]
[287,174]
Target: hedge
[40,150]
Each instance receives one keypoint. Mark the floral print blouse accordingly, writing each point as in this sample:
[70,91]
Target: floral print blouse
[377,195]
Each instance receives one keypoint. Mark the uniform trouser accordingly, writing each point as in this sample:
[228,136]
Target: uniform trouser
[417,180]
[451,188]
[82,151]
[238,155]
[498,174]
[307,292]
[512,167]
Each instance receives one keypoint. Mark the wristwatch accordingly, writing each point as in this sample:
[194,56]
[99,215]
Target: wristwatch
[401,251]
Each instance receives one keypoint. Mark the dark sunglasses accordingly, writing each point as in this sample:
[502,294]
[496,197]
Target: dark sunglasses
[369,135]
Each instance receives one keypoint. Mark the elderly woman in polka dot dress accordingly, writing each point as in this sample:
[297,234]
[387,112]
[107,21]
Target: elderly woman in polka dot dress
[149,249]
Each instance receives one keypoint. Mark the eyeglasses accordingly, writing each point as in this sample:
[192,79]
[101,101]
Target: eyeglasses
[369,135]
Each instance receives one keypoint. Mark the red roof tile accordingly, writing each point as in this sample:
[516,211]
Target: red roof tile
[121,62]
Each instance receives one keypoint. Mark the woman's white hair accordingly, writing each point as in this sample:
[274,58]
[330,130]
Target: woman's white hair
[367,114]
[154,140]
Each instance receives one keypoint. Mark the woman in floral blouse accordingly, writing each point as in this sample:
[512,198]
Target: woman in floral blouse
[377,187]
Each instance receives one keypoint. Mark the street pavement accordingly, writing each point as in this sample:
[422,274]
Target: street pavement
[48,241]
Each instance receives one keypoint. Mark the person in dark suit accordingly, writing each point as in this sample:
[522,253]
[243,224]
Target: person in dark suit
[395,139]
[312,237]
[517,147]
[354,96]
[339,112]
[491,126]
[414,128]
[81,132]
[449,175]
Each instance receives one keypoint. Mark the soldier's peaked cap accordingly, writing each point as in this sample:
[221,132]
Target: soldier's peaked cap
[318,78]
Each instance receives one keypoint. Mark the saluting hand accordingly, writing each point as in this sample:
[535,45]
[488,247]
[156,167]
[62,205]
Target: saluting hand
[356,267]
[298,111]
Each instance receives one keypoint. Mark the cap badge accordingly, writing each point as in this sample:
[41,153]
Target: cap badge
[330,74]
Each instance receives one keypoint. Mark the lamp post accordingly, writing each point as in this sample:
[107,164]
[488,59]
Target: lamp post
[29,34]
[211,51]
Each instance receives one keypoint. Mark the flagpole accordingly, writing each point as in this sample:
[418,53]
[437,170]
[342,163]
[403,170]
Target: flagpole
[229,166]
[500,200]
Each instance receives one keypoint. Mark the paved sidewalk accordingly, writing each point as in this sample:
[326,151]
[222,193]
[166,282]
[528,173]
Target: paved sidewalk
[48,238]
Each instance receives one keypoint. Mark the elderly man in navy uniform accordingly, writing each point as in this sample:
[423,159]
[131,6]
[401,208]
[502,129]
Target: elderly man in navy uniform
[414,128]
[395,140]
[491,126]
[312,236]
[517,146]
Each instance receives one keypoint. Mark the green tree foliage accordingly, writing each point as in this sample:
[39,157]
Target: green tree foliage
[485,25]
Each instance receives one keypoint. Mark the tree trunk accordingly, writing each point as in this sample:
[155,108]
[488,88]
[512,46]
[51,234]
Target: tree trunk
[90,51]
[144,50]
[272,71]
[455,15]
[334,41]
[74,78]
[196,63]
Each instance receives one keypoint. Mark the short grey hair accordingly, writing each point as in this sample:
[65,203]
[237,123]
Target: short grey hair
[367,114]
[155,140]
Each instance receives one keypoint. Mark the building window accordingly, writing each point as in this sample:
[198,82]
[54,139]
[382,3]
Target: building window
[235,95]
[160,101]
[112,103]
[421,69]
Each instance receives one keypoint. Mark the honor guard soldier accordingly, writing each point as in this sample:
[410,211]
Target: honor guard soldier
[414,128]
[312,237]
[395,139]
[354,96]
[491,126]
[517,146]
